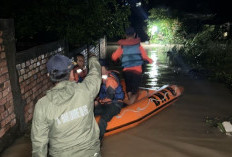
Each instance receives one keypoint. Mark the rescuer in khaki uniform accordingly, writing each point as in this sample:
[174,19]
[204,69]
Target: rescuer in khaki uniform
[64,117]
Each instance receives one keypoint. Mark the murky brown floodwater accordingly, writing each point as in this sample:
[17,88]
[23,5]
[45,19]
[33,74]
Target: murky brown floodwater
[178,131]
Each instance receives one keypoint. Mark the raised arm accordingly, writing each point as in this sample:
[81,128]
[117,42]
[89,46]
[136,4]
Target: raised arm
[93,79]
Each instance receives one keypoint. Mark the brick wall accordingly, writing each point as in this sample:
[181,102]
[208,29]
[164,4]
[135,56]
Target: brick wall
[7,115]
[24,80]
[32,74]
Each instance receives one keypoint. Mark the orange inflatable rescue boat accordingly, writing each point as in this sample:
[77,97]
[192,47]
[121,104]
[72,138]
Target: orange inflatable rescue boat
[149,103]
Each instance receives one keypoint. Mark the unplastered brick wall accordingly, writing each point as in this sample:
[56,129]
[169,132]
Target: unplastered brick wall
[33,79]
[7,115]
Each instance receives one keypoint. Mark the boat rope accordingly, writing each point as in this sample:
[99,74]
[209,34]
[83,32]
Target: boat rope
[146,106]
[137,110]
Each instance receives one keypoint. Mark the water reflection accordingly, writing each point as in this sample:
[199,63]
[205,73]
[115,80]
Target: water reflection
[155,75]
[152,70]
[158,73]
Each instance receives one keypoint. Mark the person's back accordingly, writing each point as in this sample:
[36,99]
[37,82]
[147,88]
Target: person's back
[132,56]
[64,118]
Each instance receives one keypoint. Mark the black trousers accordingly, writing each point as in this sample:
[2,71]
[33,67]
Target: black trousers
[107,112]
[132,80]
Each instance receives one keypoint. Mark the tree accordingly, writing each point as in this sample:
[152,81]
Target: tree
[164,27]
[78,21]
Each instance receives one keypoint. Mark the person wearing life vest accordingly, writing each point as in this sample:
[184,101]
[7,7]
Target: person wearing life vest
[132,56]
[110,98]
[63,118]
[80,71]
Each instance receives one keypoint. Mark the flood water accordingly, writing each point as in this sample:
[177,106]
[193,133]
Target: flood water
[178,131]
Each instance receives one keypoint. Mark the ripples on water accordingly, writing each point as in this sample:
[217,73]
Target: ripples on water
[158,73]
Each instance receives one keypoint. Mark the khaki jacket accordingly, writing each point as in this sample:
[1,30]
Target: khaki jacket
[64,118]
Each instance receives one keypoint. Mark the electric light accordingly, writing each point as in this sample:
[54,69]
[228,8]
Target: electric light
[104,77]
[154,29]
[138,4]
[79,71]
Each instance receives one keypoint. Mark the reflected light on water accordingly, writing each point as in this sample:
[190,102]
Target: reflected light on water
[152,70]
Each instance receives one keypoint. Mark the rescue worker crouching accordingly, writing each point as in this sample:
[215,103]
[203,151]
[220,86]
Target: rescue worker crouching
[110,98]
